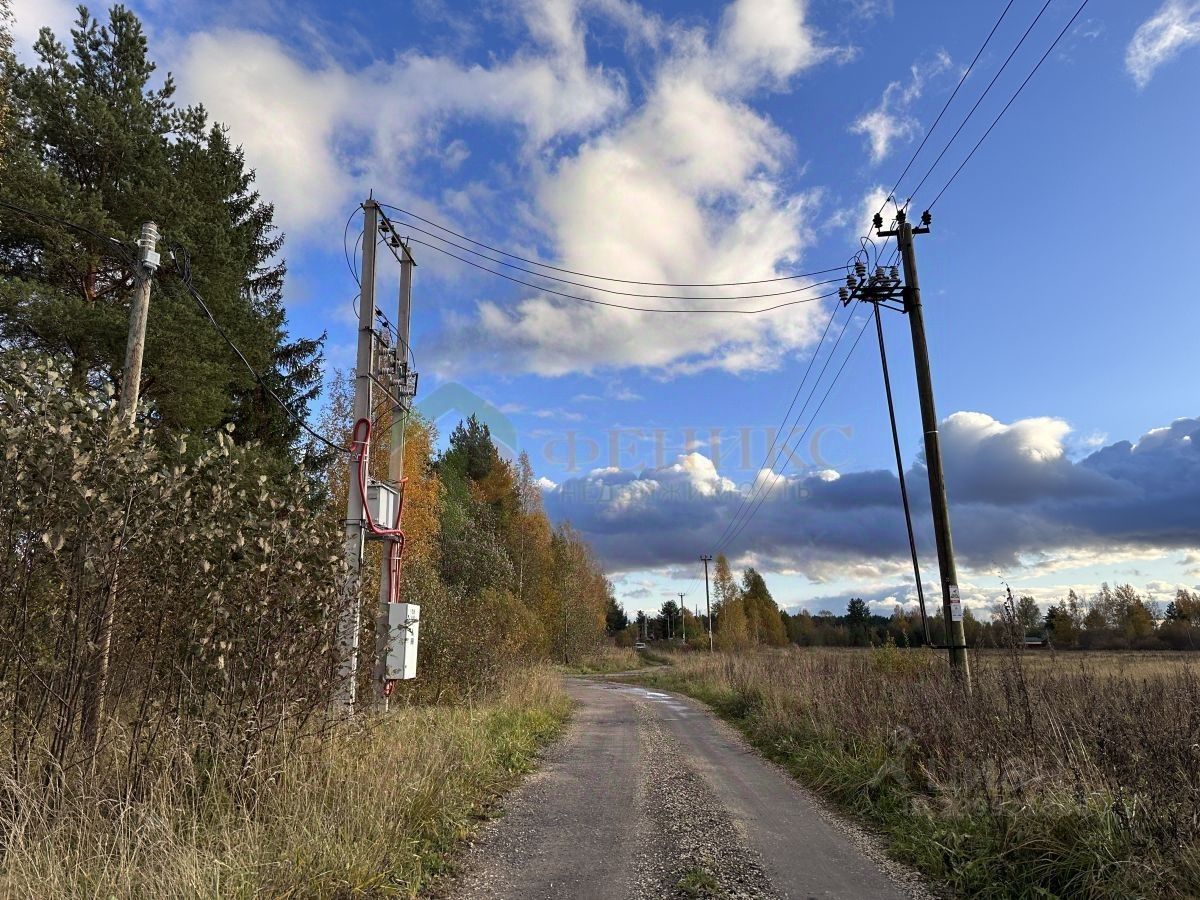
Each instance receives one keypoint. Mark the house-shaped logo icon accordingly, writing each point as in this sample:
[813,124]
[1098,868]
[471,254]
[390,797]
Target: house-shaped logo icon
[454,398]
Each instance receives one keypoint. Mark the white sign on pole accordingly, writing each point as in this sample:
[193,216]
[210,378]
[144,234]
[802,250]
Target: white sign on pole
[956,608]
[404,619]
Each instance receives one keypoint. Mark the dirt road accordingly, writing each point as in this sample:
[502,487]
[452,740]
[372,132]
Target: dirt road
[649,796]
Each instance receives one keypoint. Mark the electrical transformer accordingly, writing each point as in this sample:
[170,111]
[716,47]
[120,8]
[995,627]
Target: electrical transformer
[383,501]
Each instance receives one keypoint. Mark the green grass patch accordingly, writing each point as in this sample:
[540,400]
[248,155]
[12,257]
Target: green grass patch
[699,883]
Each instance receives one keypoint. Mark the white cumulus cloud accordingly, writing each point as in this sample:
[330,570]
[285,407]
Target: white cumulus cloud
[891,121]
[1161,38]
[686,186]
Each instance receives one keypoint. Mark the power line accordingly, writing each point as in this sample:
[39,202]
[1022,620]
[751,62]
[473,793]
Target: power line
[345,245]
[541,265]
[946,105]
[592,300]
[183,270]
[986,91]
[996,121]
[760,488]
[605,290]
[811,420]
[783,421]
[115,244]
[350,264]
[768,462]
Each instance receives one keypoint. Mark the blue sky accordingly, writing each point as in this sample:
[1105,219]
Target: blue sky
[720,142]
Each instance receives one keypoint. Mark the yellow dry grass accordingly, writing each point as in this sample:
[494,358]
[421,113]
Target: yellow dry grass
[376,810]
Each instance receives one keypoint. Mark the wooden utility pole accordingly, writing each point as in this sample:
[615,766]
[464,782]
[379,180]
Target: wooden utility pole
[951,601]
[683,618]
[131,377]
[350,623]
[139,312]
[707,602]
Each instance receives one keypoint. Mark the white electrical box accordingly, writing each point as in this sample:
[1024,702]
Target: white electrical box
[404,619]
[383,501]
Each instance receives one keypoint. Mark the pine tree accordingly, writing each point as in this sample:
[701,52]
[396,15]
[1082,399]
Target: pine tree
[94,143]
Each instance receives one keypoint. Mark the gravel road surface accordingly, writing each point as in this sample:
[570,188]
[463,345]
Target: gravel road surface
[649,796]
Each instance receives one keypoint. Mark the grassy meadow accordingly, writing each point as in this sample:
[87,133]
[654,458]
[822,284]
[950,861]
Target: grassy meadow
[372,809]
[1062,775]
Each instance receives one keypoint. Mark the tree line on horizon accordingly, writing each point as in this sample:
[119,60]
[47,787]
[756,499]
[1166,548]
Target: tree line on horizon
[745,615]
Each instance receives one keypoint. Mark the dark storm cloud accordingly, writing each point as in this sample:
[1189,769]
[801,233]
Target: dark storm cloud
[1014,493]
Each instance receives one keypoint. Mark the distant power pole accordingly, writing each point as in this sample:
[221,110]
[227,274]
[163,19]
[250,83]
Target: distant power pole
[683,618]
[707,603]
[879,289]
[350,623]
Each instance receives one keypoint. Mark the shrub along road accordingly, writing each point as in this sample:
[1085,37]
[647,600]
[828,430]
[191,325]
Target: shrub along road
[649,796]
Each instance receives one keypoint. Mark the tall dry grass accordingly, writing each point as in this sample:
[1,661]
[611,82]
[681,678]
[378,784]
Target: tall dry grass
[607,660]
[372,808]
[1061,776]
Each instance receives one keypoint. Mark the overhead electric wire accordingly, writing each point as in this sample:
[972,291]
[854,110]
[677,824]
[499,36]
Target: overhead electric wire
[763,488]
[762,498]
[648,309]
[345,245]
[592,287]
[759,488]
[946,105]
[542,265]
[783,422]
[986,91]
[183,269]
[350,264]
[1000,115]
[120,246]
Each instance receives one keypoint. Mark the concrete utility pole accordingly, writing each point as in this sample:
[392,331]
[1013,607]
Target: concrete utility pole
[348,627]
[683,618]
[951,601]
[707,602]
[401,403]
[139,312]
[131,377]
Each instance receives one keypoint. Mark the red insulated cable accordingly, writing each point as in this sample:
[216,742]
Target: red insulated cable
[359,447]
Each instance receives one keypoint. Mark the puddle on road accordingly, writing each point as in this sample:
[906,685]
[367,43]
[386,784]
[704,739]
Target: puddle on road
[666,700]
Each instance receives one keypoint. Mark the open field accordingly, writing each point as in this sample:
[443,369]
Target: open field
[376,809]
[1071,775]
[1100,663]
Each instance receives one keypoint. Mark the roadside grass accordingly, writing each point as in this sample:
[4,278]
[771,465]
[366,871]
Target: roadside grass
[376,809]
[606,660]
[1064,777]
